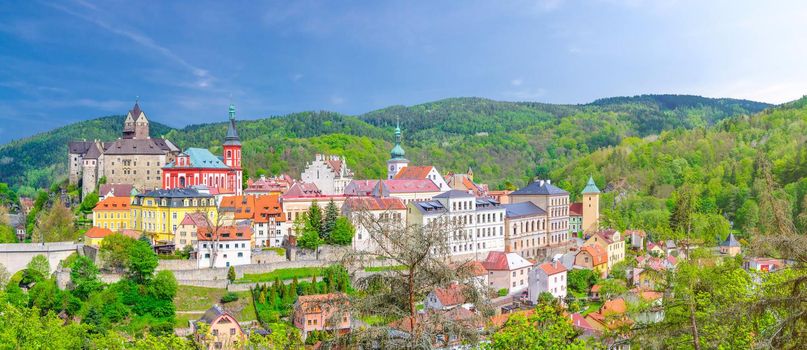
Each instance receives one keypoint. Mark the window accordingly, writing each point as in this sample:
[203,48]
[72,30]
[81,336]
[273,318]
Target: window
[232,331]
[240,254]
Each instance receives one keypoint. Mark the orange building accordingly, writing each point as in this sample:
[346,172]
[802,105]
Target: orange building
[322,312]
[112,213]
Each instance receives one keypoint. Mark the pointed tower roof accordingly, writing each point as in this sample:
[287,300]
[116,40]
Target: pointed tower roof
[232,134]
[136,110]
[397,152]
[730,241]
[591,187]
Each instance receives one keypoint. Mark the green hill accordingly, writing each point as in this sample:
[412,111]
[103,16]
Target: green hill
[504,142]
[740,171]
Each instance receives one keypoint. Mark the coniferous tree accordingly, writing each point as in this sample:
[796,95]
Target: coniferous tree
[315,218]
[329,221]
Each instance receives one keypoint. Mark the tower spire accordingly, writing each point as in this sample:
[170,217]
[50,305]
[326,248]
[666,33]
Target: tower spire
[232,133]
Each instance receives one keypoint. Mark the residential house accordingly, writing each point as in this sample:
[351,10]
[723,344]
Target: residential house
[223,330]
[763,264]
[525,229]
[730,246]
[329,173]
[95,235]
[670,248]
[269,225]
[593,257]
[655,249]
[299,199]
[112,213]
[447,298]
[476,225]
[411,172]
[507,271]
[465,182]
[360,188]
[613,243]
[381,213]
[116,190]
[227,246]
[636,238]
[649,305]
[551,199]
[611,316]
[186,233]
[322,312]
[547,277]
[269,185]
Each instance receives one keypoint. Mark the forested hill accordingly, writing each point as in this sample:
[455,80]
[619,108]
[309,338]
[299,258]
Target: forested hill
[505,143]
[699,182]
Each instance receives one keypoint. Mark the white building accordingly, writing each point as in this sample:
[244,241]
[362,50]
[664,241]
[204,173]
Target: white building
[230,246]
[330,174]
[386,213]
[477,224]
[548,277]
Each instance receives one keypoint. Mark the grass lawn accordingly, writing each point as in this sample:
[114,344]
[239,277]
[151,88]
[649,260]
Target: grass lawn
[592,307]
[279,251]
[385,268]
[282,274]
[195,300]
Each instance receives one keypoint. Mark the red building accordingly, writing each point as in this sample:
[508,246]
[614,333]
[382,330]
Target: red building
[197,166]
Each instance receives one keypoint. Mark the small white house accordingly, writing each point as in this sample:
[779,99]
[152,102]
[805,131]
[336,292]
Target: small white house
[548,277]
[230,246]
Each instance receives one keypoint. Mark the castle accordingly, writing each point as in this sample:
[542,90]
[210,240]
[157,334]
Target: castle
[134,158]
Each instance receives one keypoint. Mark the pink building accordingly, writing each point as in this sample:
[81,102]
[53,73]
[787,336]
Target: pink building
[322,312]
[223,331]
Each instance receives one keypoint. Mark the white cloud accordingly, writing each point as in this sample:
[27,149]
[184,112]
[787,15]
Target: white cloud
[517,82]
[771,92]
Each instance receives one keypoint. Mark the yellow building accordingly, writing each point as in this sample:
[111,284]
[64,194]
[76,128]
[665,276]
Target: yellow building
[612,242]
[591,207]
[95,235]
[112,213]
[158,213]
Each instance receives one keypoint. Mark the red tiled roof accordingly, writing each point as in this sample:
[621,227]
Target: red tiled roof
[113,203]
[551,269]
[274,184]
[576,209]
[314,303]
[450,296]
[118,190]
[477,269]
[196,219]
[579,321]
[360,187]
[374,203]
[335,164]
[413,173]
[269,206]
[406,186]
[225,233]
[501,261]
[595,288]
[97,232]
[131,234]
[598,255]
[242,207]
[500,320]
[303,189]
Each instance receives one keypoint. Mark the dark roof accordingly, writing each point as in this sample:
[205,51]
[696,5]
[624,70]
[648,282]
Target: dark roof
[118,190]
[175,193]
[487,203]
[139,146]
[518,210]
[454,194]
[730,241]
[539,188]
[430,207]
[232,134]
[211,314]
[92,152]
[79,147]
[576,209]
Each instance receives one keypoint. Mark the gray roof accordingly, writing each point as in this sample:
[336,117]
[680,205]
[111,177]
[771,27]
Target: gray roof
[430,207]
[670,244]
[144,146]
[523,209]
[454,194]
[92,152]
[487,203]
[730,241]
[79,147]
[175,193]
[540,188]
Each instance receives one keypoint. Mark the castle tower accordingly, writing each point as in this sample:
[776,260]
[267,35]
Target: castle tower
[397,160]
[591,207]
[231,150]
[136,125]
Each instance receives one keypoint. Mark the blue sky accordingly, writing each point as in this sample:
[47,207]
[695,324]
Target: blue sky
[70,60]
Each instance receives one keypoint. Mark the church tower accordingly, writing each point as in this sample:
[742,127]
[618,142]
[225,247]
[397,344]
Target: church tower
[231,150]
[397,160]
[591,207]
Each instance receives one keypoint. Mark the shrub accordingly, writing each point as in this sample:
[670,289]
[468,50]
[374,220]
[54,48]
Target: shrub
[503,292]
[229,297]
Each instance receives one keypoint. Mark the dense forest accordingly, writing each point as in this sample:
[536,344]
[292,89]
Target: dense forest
[506,143]
[738,174]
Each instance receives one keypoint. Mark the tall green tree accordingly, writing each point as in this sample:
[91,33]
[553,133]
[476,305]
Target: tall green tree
[84,275]
[342,233]
[329,221]
[315,218]
[142,262]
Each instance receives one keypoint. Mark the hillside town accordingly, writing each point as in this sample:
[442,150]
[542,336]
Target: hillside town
[214,228]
